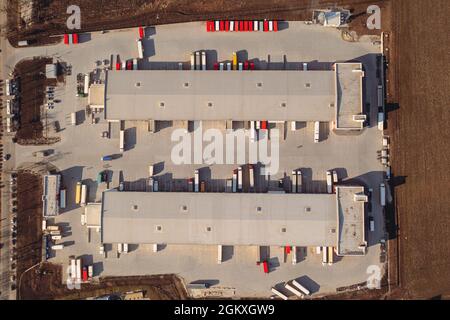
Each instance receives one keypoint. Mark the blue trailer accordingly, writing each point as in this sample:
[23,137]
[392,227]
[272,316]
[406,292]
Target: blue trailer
[107,158]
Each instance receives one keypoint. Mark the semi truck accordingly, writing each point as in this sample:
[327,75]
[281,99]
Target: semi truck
[192,61]
[57,247]
[239,179]
[293,290]
[78,193]
[251,173]
[300,287]
[197,60]
[324,255]
[294,181]
[299,181]
[86,83]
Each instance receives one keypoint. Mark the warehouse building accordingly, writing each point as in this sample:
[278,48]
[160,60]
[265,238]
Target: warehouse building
[283,95]
[263,219]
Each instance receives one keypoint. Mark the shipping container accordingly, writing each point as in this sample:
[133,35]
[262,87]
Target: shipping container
[78,193]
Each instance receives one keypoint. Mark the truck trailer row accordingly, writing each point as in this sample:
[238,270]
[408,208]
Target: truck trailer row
[242,25]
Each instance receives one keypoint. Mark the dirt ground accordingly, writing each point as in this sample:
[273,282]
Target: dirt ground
[31,73]
[49,16]
[45,283]
[420,151]
[29,220]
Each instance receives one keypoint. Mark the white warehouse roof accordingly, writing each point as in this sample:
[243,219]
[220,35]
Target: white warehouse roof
[229,218]
[229,95]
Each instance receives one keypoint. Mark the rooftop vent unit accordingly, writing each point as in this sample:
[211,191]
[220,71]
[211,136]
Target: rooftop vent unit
[359,117]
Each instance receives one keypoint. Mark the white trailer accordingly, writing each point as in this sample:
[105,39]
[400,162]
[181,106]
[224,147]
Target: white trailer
[278,293]
[90,271]
[221,66]
[86,83]
[251,173]
[73,268]
[57,237]
[150,170]
[270,25]
[294,181]
[8,107]
[329,182]
[119,248]
[228,66]
[239,179]
[196,181]
[318,250]
[78,270]
[300,287]
[8,125]
[155,247]
[203,60]
[192,61]
[140,49]
[293,290]
[83,194]
[324,255]
[232,25]
[135,64]
[8,87]
[125,247]
[380,120]
[293,125]
[73,118]
[252,131]
[335,176]
[197,60]
[305,66]
[299,181]
[122,140]
[294,255]
[219,254]
[382,194]
[241,66]
[330,256]
[217,25]
[255,25]
[316,131]
[235,178]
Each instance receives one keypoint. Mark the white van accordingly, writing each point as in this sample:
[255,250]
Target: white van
[371,224]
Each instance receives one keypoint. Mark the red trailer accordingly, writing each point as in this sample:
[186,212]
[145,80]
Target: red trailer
[236,26]
[227,25]
[266,25]
[263,124]
[75,38]
[266,266]
[117,65]
[250,26]
[241,25]
[216,66]
[252,65]
[222,25]
[246,65]
[245,25]
[66,38]
[129,65]
[84,275]
[141,32]
[287,249]
[275,25]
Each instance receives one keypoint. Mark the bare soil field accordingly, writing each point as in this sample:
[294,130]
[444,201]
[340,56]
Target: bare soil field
[33,81]
[49,17]
[46,283]
[420,146]
[29,221]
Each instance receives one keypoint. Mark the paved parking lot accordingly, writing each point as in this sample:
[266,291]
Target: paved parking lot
[77,155]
